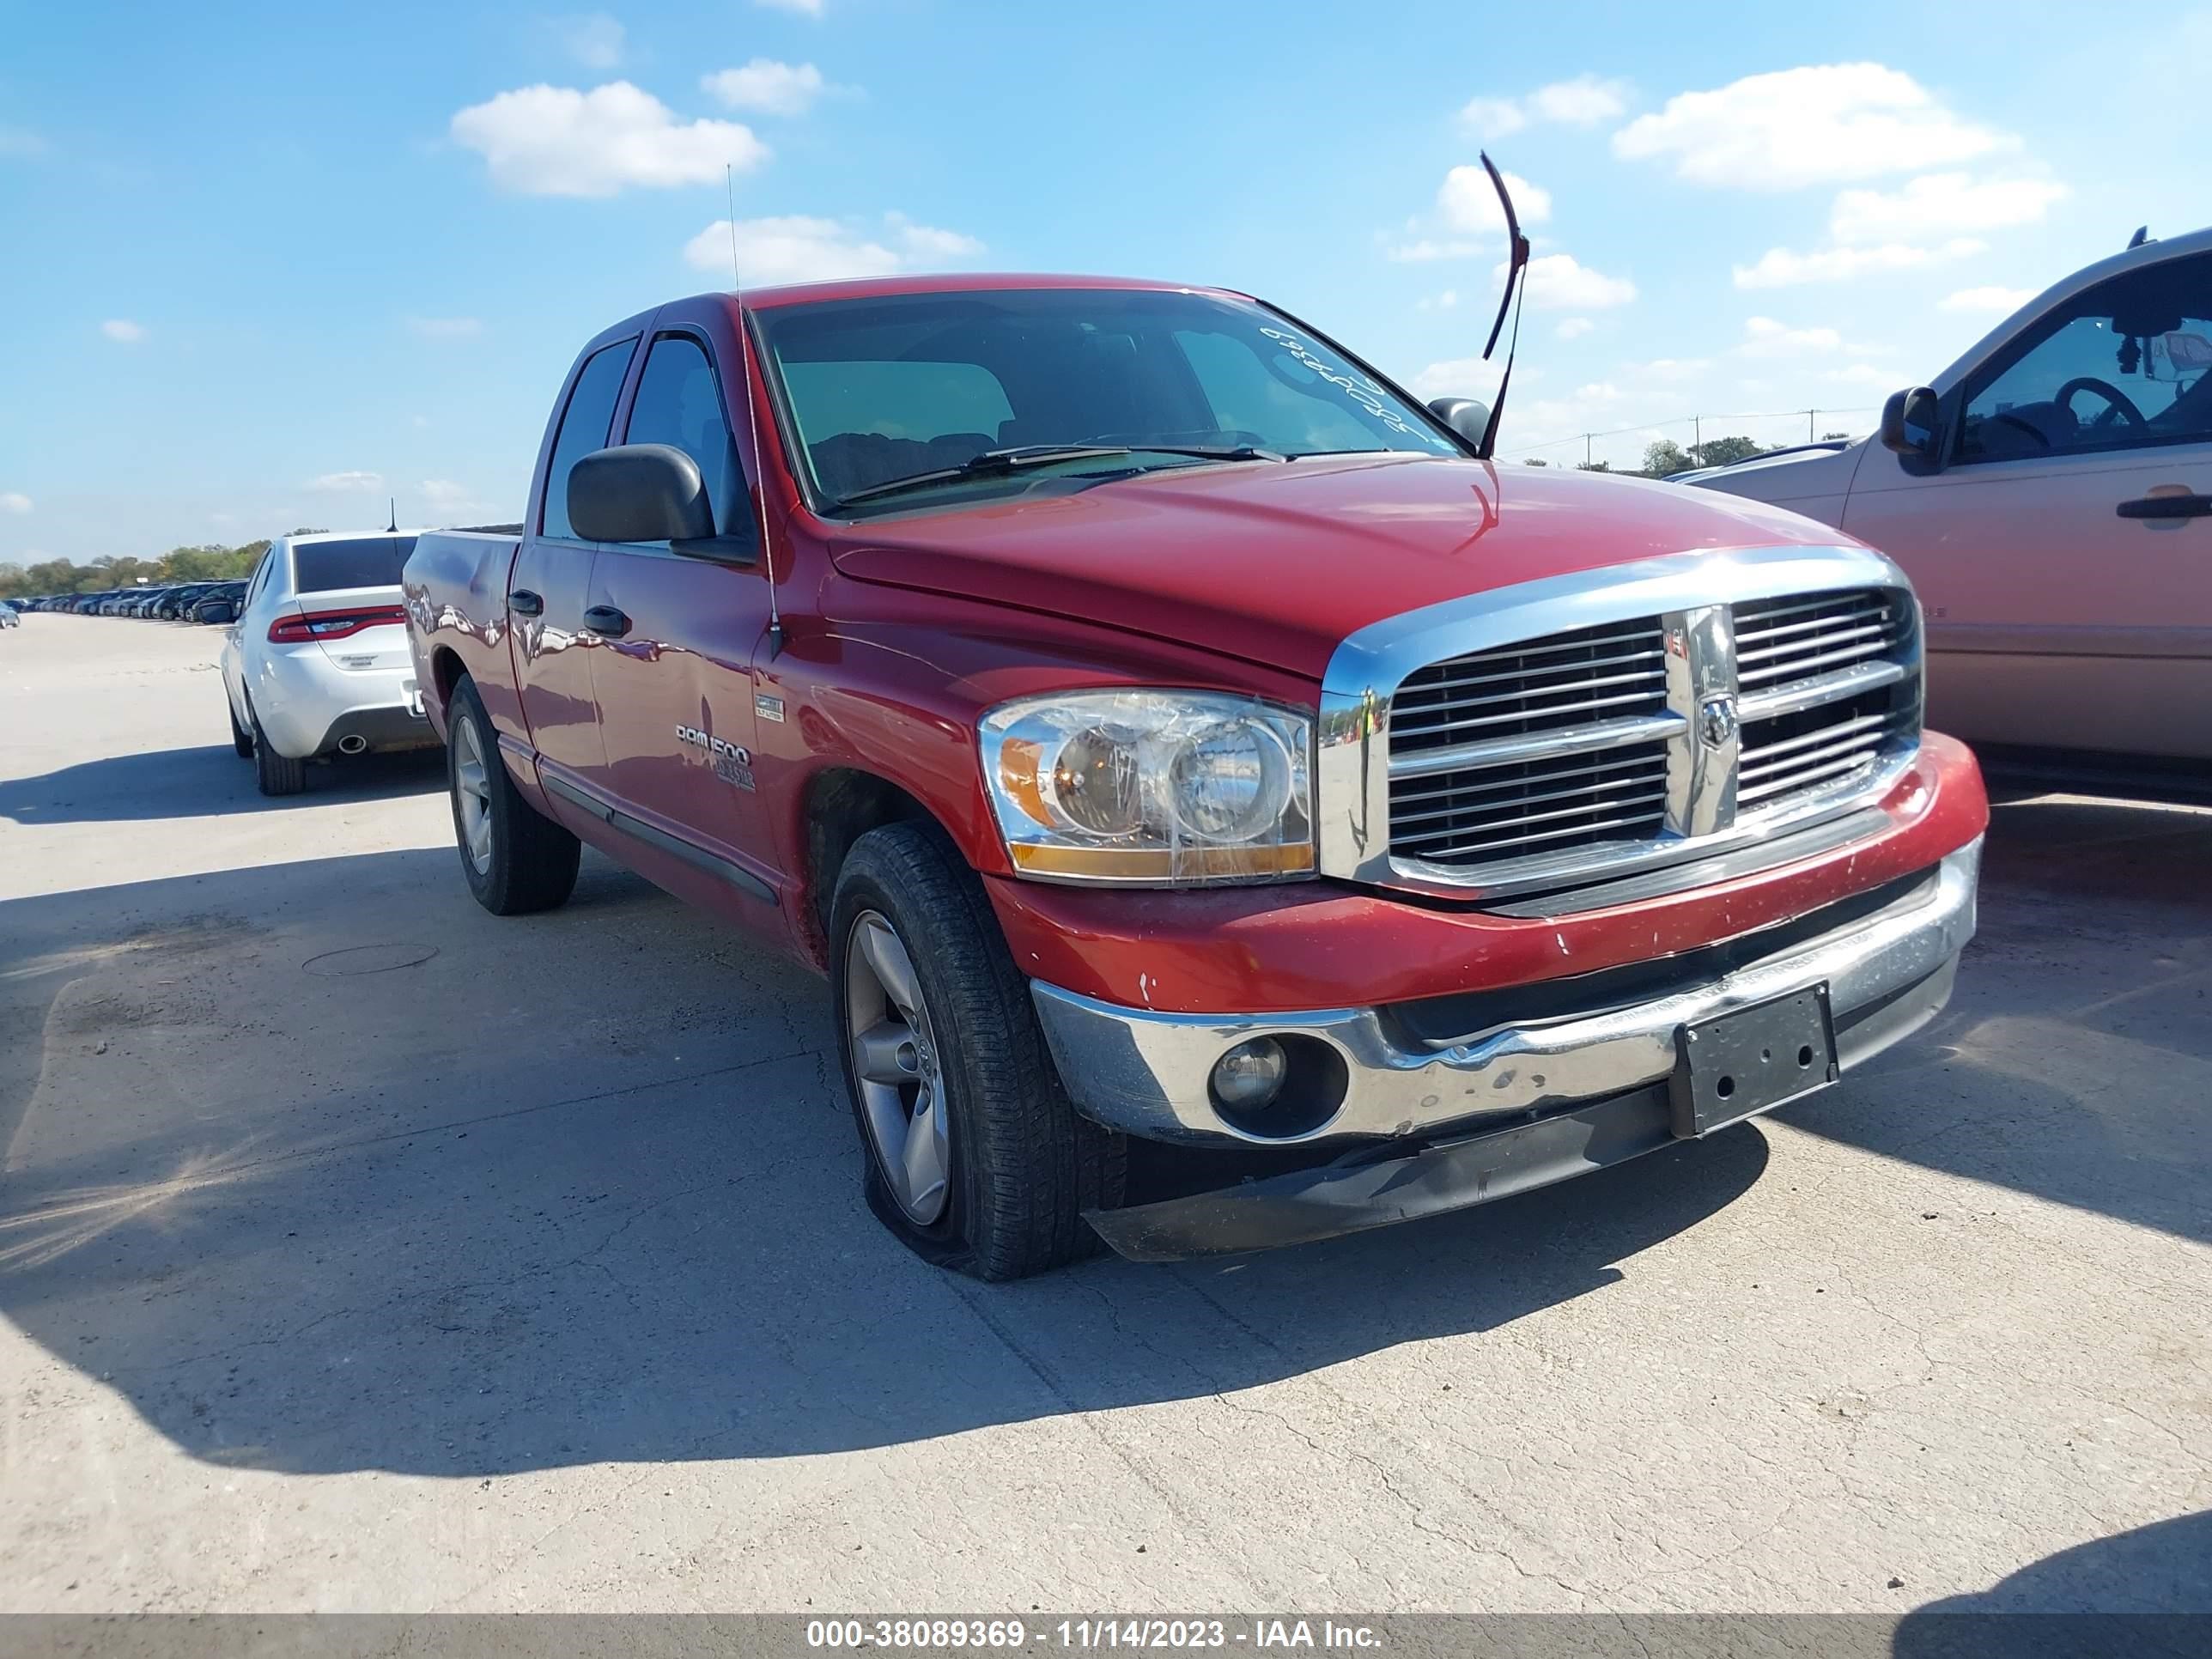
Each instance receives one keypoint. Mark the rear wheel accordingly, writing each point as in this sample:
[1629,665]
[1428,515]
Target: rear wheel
[275,774]
[515,858]
[975,1158]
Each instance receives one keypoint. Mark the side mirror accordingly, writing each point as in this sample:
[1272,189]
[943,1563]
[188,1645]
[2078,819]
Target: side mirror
[1910,421]
[639,492]
[1464,416]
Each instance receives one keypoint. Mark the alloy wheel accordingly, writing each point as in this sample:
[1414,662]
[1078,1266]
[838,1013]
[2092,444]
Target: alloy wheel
[895,1062]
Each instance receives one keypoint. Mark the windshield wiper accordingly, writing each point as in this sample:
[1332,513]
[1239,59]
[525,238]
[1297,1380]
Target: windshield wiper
[1002,463]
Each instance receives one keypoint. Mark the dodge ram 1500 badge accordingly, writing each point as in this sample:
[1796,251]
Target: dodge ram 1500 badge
[1182,736]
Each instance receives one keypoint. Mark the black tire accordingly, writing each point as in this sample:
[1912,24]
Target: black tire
[241,740]
[274,774]
[532,860]
[1025,1164]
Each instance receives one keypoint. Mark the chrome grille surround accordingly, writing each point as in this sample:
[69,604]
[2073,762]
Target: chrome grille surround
[1523,741]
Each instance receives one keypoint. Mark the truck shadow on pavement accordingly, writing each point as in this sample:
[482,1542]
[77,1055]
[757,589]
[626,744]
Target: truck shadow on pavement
[2156,1573]
[322,1168]
[207,782]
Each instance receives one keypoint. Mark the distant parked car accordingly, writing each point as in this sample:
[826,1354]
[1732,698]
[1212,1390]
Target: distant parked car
[8,615]
[318,662]
[2051,495]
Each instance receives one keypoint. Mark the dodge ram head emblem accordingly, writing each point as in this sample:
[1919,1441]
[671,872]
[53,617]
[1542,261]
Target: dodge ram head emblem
[1716,721]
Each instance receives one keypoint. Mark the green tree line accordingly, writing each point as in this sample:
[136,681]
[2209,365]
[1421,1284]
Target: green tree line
[211,562]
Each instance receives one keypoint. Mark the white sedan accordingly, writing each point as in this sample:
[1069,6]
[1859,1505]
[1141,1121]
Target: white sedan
[316,663]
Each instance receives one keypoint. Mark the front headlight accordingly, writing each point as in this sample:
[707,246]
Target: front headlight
[1161,788]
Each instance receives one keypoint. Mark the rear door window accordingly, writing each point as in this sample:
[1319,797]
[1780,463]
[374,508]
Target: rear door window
[371,562]
[584,427]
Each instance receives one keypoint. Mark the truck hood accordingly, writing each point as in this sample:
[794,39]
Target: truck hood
[1276,562]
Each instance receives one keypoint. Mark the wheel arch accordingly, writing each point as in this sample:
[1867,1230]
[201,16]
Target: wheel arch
[839,805]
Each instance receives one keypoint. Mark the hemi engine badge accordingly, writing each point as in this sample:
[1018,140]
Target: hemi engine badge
[767,707]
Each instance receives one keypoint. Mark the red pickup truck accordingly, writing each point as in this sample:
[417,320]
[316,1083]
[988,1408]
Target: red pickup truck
[1161,729]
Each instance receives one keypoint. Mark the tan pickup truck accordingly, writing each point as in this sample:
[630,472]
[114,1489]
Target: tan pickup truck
[2051,495]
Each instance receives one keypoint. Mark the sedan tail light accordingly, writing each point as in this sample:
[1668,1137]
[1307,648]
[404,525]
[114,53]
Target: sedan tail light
[332,624]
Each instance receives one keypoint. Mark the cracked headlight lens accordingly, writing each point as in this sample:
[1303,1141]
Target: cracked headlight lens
[1164,788]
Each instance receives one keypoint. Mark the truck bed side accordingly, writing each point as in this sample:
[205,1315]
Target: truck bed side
[456,583]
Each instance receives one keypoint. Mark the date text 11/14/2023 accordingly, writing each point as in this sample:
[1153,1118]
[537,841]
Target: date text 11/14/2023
[1096,1632]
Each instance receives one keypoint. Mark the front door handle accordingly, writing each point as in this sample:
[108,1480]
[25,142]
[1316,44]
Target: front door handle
[524,603]
[2168,507]
[606,620]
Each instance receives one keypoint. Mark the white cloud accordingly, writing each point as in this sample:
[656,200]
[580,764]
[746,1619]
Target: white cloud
[1990,301]
[443,496]
[1493,118]
[804,7]
[1425,249]
[1557,282]
[122,330]
[1670,369]
[1584,101]
[926,245]
[1573,328]
[1864,374]
[14,500]
[1599,392]
[334,484]
[21,142]
[1764,337]
[1781,268]
[795,248]
[1941,204]
[767,86]
[1443,302]
[556,140]
[1814,124]
[1468,201]
[445,328]
[1452,377]
[595,41]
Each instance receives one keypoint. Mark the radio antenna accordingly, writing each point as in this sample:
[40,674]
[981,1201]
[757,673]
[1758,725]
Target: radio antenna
[752,414]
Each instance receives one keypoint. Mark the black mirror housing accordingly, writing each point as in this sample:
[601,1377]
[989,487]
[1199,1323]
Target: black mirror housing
[639,492]
[1911,420]
[1468,416]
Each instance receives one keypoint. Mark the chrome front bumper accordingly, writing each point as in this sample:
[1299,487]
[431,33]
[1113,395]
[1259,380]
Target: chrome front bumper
[1147,1073]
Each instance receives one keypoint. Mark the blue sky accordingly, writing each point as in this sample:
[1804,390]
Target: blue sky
[264,264]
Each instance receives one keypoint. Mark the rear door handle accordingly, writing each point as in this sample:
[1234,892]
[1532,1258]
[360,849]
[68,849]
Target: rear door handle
[605,619]
[2168,507]
[524,603]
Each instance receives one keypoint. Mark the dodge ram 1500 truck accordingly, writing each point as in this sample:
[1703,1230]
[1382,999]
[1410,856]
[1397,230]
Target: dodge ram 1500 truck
[1161,728]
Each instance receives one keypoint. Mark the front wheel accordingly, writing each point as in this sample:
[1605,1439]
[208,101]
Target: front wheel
[975,1158]
[241,740]
[515,858]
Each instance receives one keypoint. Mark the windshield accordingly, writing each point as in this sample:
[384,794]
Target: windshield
[885,389]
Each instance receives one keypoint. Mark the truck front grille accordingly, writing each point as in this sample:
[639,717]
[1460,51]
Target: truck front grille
[1580,746]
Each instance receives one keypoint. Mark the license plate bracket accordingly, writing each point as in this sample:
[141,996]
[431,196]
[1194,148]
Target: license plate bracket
[1735,1064]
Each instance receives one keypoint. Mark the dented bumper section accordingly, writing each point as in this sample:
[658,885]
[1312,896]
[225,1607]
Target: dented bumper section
[1150,1074]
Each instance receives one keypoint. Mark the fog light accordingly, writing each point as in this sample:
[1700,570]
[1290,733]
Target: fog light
[1250,1075]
